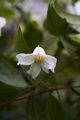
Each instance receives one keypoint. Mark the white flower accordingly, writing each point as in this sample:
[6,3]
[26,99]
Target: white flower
[2,24]
[38,60]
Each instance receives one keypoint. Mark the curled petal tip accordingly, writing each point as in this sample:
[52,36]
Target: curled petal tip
[18,63]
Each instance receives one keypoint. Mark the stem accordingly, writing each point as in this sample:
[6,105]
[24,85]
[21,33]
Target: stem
[34,93]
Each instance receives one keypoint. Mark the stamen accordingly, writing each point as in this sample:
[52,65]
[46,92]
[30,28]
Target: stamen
[39,58]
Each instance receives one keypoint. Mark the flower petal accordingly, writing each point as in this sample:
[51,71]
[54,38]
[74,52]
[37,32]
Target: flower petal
[34,70]
[39,50]
[2,22]
[49,62]
[25,59]
[44,68]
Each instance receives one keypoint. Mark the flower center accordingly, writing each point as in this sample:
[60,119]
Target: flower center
[39,58]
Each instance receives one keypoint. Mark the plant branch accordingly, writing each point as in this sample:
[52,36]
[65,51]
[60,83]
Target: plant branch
[34,92]
[29,92]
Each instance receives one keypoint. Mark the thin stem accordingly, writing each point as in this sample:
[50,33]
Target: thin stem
[34,93]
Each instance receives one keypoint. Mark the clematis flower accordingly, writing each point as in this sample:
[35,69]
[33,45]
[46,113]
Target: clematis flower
[38,60]
[2,24]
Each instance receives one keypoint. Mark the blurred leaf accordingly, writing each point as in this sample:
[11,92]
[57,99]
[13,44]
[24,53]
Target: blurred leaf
[7,92]
[21,45]
[74,1]
[59,49]
[13,1]
[6,11]
[72,113]
[7,38]
[77,92]
[33,35]
[10,74]
[57,25]
[34,110]
[72,19]
[2,3]
[70,45]
[54,109]
[71,30]
[13,114]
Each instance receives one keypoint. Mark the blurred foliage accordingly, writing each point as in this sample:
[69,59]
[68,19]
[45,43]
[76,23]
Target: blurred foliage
[50,96]
[74,1]
[33,34]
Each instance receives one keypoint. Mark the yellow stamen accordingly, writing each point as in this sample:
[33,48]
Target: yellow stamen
[39,58]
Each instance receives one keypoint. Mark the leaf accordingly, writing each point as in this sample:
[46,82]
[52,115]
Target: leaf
[33,35]
[72,112]
[7,12]
[7,39]
[74,1]
[8,92]
[10,74]
[54,110]
[21,45]
[57,25]
[35,110]
[11,114]
[72,19]
[70,45]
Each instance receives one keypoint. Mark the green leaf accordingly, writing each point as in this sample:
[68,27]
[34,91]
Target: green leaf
[72,19]
[11,1]
[8,92]
[35,110]
[10,74]
[70,45]
[54,109]
[15,1]
[72,113]
[21,45]
[74,1]
[54,23]
[7,13]
[7,39]
[71,30]
[57,25]
[33,35]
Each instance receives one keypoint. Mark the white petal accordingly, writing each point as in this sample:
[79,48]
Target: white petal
[0,31]
[39,50]
[25,59]
[44,68]
[2,22]
[34,70]
[50,62]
